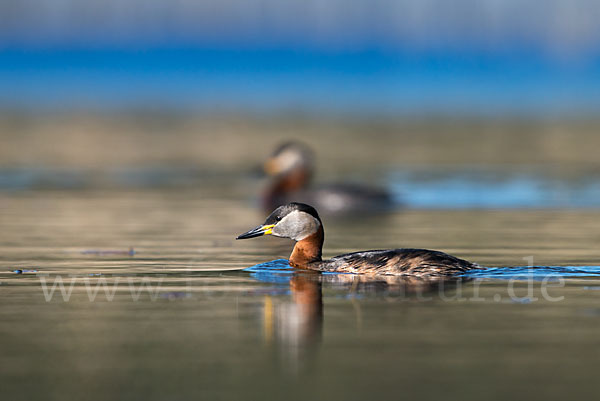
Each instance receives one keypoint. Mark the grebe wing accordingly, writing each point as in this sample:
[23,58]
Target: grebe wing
[399,261]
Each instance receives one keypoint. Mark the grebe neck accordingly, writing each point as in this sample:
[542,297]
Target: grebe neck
[308,250]
[293,181]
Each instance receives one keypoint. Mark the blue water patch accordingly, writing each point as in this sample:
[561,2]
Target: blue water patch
[371,80]
[276,271]
[280,272]
[419,189]
[492,190]
[534,272]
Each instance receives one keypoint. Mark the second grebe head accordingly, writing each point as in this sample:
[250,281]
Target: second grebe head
[288,157]
[294,220]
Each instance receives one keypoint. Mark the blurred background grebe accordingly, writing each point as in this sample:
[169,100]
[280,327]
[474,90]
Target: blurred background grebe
[142,124]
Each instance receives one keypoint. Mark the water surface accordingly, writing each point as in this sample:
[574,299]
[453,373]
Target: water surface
[177,316]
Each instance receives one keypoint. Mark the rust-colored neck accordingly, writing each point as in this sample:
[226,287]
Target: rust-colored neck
[284,184]
[294,180]
[308,250]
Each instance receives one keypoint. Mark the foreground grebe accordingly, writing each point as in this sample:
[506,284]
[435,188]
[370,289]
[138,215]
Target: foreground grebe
[291,168]
[301,223]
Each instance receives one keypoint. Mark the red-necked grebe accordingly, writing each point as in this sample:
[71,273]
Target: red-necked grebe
[301,223]
[291,168]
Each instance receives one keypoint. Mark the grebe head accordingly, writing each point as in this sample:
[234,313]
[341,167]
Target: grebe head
[289,157]
[294,220]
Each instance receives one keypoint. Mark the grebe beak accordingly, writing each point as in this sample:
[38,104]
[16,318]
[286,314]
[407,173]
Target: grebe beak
[257,232]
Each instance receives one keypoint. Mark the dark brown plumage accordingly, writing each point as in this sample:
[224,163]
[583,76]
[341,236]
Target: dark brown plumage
[413,262]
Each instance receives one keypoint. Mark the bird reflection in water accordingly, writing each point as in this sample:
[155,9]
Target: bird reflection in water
[294,325]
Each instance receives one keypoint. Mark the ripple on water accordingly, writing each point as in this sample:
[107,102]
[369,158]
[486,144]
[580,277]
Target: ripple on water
[535,272]
[279,271]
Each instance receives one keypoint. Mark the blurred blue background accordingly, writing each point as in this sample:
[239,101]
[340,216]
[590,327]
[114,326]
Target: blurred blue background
[132,135]
[485,57]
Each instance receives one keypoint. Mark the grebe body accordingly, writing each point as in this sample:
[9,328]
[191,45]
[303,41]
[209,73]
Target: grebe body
[302,223]
[291,168]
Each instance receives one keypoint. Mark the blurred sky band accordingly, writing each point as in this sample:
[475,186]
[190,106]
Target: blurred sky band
[482,57]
